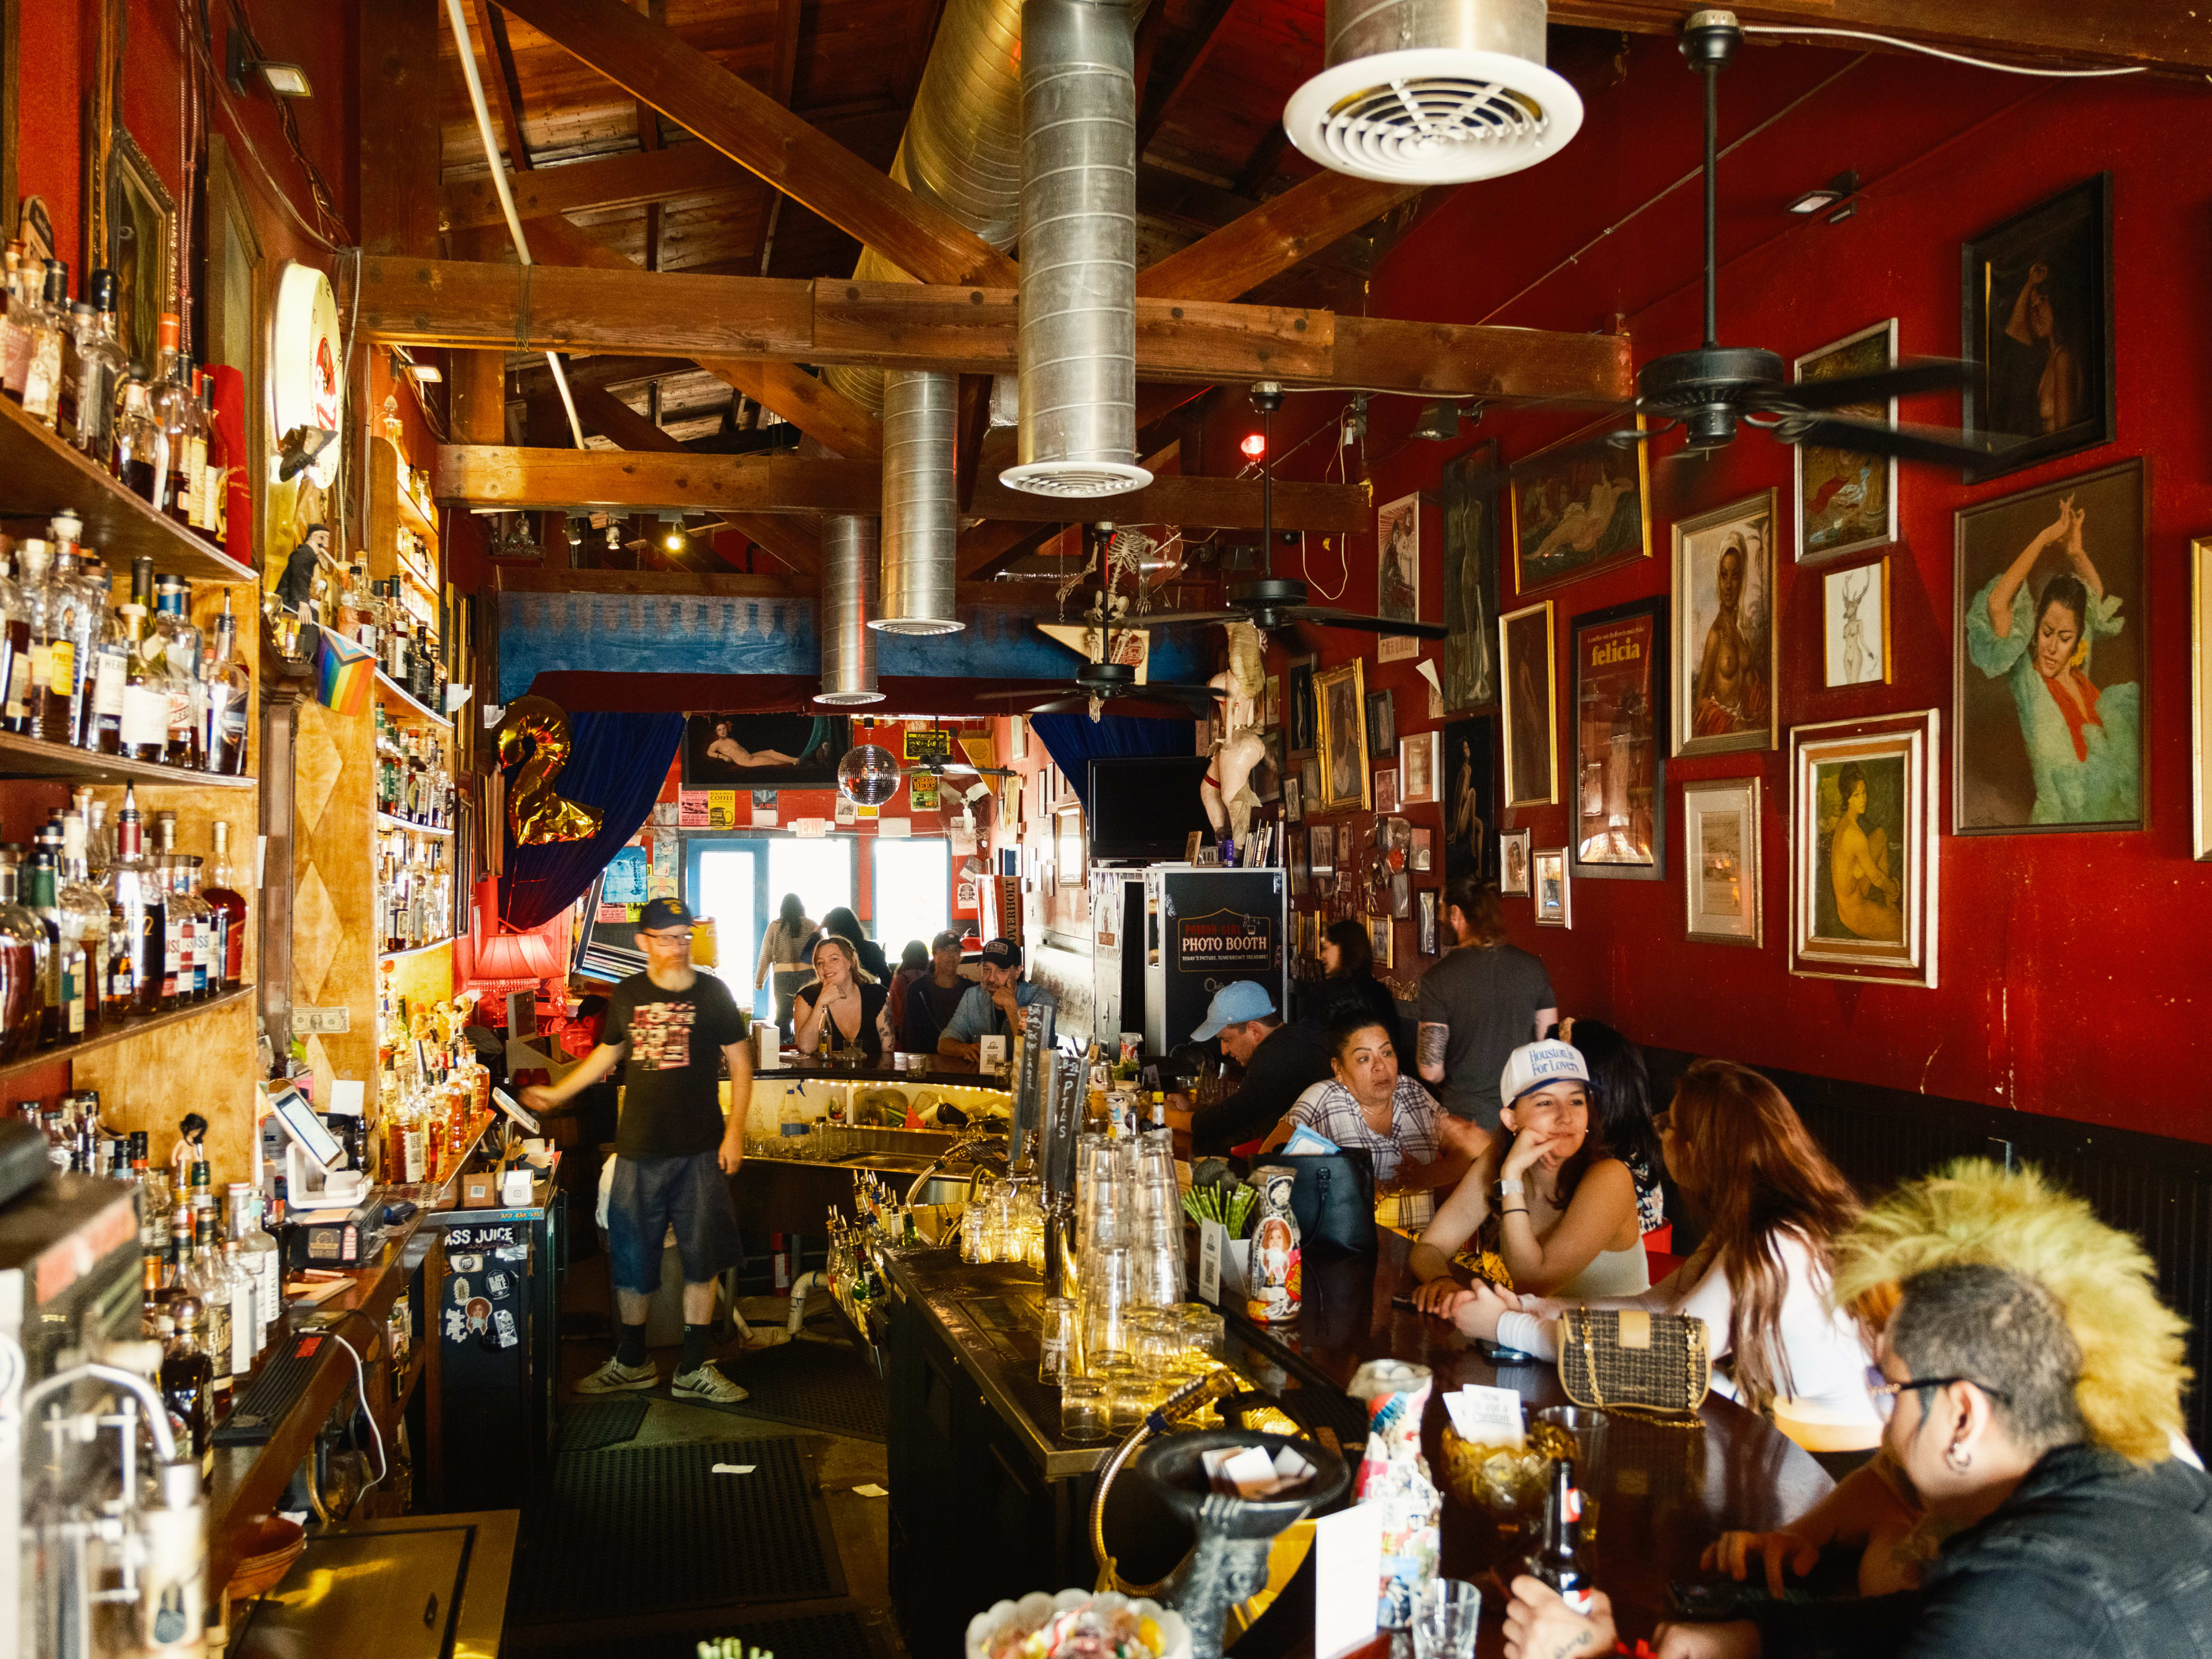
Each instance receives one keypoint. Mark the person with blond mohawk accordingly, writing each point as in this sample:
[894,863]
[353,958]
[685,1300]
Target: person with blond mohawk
[2034,1493]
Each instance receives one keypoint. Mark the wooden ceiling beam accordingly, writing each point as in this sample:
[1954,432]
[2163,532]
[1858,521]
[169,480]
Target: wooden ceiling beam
[2168,35]
[964,330]
[1175,65]
[1272,238]
[638,481]
[748,125]
[498,74]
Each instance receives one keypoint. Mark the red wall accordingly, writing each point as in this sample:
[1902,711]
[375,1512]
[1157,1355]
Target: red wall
[2074,968]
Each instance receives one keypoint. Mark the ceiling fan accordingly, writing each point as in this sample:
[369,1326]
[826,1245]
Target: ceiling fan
[1097,684]
[1709,389]
[1273,601]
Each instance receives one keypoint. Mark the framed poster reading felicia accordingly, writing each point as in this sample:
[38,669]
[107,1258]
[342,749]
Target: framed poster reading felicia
[1863,848]
[1620,781]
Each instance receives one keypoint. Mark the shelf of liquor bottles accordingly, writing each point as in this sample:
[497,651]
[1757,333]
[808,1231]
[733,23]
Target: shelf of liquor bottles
[113,1031]
[34,758]
[41,476]
[385,821]
[388,687]
[416,949]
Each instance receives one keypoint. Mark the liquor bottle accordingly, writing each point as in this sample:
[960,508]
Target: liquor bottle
[50,334]
[398,646]
[196,445]
[228,905]
[188,1375]
[1559,1562]
[99,370]
[100,729]
[135,451]
[245,1321]
[355,619]
[258,1251]
[75,319]
[85,917]
[22,968]
[229,694]
[76,607]
[170,405]
[209,929]
[181,661]
[15,326]
[135,885]
[153,1197]
[15,656]
[67,966]
[38,904]
[184,959]
[33,560]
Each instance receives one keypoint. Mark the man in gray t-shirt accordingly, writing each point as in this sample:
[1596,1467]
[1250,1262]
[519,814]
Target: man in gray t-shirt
[1482,1001]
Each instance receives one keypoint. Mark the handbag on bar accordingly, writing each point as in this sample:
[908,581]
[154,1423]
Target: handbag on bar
[1645,1365]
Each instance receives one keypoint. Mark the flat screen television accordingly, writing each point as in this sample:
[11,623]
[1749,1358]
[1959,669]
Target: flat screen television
[1144,807]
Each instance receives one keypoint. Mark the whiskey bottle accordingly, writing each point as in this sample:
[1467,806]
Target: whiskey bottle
[188,1375]
[135,886]
[167,403]
[1559,1562]
[228,905]
[101,370]
[22,968]
[229,695]
[85,919]
[180,664]
[136,453]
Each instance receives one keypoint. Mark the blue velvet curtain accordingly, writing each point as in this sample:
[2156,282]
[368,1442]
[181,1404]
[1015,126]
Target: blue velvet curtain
[618,764]
[1072,740]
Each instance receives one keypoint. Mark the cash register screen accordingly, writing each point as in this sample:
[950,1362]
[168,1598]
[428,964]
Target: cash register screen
[305,1126]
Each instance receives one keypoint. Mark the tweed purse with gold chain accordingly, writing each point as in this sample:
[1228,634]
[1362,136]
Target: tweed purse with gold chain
[1646,1365]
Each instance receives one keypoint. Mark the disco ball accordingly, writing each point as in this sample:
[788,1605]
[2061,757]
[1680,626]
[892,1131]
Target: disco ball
[868,775]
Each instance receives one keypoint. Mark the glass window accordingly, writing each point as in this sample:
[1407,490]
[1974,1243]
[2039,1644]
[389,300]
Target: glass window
[820,871]
[913,895]
[725,893]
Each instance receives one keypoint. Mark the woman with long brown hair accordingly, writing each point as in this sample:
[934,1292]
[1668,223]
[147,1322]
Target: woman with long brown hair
[1775,1206]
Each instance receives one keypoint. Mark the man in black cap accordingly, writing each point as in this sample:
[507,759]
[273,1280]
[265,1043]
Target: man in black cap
[988,1010]
[673,1154]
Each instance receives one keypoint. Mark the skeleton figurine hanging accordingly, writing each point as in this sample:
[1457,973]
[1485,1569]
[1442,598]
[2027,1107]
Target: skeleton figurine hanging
[1227,791]
[1113,632]
[534,735]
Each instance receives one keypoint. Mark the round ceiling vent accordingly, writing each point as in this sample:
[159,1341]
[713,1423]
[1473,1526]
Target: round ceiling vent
[1433,115]
[1075,478]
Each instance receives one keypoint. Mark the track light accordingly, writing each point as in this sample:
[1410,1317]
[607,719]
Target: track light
[1840,193]
[1440,418]
[1254,447]
[284,79]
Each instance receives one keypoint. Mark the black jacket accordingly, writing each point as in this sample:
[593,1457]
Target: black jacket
[1289,1061]
[2090,1555]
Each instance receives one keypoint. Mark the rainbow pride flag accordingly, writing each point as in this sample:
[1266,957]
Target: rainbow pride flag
[344,673]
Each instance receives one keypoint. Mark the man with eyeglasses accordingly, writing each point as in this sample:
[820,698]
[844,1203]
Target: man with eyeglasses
[673,1154]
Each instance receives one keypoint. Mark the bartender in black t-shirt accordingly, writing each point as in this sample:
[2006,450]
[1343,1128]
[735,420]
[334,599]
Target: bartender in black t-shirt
[673,1154]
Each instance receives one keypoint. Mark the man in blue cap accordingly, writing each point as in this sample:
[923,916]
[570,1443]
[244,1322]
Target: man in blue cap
[988,1009]
[1280,1063]
[674,1154]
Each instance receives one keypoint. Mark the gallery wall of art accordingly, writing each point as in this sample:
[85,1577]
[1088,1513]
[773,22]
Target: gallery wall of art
[2038,984]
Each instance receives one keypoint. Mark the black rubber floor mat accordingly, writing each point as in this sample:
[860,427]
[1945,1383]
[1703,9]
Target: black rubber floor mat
[819,1636]
[816,1385]
[651,1529]
[590,1425]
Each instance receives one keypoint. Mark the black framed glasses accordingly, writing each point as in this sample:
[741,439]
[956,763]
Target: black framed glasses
[1885,1392]
[668,938]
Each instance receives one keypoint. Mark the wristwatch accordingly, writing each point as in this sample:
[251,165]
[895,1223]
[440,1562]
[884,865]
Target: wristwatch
[1511,1184]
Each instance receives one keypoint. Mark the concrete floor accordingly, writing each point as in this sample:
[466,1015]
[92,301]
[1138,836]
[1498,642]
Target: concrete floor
[860,1524]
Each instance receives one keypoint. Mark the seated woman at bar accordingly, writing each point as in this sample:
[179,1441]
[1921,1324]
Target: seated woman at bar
[1567,1221]
[1620,1112]
[2059,1546]
[1370,1104]
[846,925]
[1347,957]
[1761,1278]
[849,996]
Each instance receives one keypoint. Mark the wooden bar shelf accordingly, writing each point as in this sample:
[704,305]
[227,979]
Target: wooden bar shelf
[389,687]
[41,476]
[385,821]
[34,757]
[121,1030]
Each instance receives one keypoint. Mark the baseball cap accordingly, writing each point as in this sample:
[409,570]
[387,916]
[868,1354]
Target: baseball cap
[663,912]
[1232,1005]
[1002,953]
[1532,1064]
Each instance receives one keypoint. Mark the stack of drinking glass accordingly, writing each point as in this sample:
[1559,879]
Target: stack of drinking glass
[1003,1222]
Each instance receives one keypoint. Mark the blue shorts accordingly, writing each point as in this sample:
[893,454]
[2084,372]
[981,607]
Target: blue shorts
[651,1194]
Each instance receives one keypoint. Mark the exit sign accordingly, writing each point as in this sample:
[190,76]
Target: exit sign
[934,747]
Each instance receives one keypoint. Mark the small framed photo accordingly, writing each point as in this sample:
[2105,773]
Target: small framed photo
[1847,501]
[1420,764]
[1386,789]
[1381,931]
[1554,896]
[1721,894]
[1381,725]
[1270,701]
[1321,842]
[1309,795]
[1423,855]
[1301,870]
[1513,864]
[1293,799]
[1863,849]
[1401,896]
[1855,624]
[1425,926]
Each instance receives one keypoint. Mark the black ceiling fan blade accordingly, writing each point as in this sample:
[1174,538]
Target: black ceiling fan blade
[1938,445]
[1321,617]
[1183,619]
[1033,691]
[1877,386]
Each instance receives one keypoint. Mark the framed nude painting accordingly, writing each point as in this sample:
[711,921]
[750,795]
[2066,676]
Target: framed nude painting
[1470,802]
[1725,669]
[1863,848]
[1340,696]
[1524,642]
[1580,507]
[1471,484]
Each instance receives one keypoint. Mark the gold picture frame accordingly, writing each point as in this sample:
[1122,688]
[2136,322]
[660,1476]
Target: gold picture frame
[1865,908]
[1708,719]
[1340,736]
[1383,940]
[142,222]
[1723,895]
[1554,887]
[1532,737]
[1567,503]
[2200,694]
[1846,501]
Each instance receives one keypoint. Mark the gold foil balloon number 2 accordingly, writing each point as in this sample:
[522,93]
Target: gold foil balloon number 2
[536,728]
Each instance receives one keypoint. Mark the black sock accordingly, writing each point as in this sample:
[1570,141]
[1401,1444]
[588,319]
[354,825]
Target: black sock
[629,1346]
[695,1348]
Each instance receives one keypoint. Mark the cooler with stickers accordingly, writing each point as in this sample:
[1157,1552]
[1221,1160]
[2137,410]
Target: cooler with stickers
[499,1352]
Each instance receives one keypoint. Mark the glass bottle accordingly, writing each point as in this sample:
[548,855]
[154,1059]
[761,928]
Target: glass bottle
[14,655]
[209,928]
[85,918]
[51,588]
[135,884]
[1558,1561]
[209,1281]
[188,1375]
[228,905]
[33,559]
[51,334]
[171,405]
[153,1197]
[75,608]
[356,621]
[245,1321]
[258,1252]
[112,654]
[37,899]
[67,966]
[398,646]
[184,955]
[102,368]
[180,644]
[22,968]
[15,326]
[136,454]
[199,512]
[229,684]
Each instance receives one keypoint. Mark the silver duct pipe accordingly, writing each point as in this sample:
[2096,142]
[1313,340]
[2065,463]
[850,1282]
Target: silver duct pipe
[962,149]
[848,603]
[1078,311]
[922,504]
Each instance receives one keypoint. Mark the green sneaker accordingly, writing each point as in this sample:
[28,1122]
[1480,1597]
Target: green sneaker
[614,1377]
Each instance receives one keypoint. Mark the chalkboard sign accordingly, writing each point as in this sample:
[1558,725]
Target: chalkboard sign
[606,945]
[934,747]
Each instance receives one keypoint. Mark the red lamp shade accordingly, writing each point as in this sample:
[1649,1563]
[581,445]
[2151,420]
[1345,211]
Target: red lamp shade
[517,956]
[1254,446]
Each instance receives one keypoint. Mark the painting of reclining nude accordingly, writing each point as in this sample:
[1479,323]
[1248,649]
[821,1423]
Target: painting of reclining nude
[1581,506]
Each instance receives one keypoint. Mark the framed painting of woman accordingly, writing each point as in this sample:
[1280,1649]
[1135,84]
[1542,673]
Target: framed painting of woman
[1340,695]
[1863,848]
[2050,658]
[1580,507]
[2038,326]
[1724,668]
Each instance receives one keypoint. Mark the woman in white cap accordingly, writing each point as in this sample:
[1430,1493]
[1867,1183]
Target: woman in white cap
[1567,1222]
